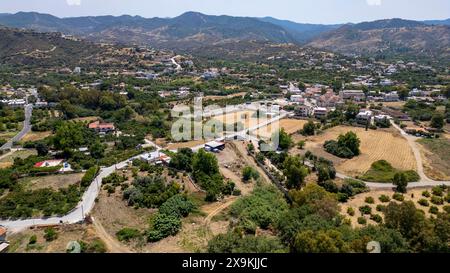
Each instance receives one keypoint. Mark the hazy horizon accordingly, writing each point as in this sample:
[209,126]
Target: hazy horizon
[301,11]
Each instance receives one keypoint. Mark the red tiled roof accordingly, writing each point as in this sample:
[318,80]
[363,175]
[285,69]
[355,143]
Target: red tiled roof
[2,231]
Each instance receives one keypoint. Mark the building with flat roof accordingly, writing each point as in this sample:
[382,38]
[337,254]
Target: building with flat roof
[214,146]
[320,112]
[364,117]
[355,95]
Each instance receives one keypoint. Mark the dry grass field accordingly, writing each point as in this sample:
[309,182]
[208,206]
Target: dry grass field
[245,117]
[35,136]
[52,181]
[394,104]
[436,158]
[291,126]
[375,145]
[188,144]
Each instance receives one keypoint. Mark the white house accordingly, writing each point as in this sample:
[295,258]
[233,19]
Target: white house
[364,116]
[320,112]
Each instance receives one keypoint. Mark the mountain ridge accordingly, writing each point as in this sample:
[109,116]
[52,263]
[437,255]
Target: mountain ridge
[195,30]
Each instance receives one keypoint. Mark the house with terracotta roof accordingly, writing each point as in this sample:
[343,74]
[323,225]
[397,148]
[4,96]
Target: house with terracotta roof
[65,167]
[101,127]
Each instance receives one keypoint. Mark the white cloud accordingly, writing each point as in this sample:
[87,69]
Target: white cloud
[73,2]
[373,2]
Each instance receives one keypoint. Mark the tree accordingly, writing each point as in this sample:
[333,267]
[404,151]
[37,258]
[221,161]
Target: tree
[352,111]
[401,182]
[182,160]
[438,121]
[42,149]
[205,163]
[351,141]
[301,144]
[285,140]
[178,205]
[251,148]
[97,150]
[309,129]
[295,172]
[405,218]
[329,241]
[163,226]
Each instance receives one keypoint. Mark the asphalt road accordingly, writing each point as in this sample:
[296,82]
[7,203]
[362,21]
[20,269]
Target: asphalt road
[25,130]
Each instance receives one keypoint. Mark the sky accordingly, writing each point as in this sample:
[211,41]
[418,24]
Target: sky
[302,11]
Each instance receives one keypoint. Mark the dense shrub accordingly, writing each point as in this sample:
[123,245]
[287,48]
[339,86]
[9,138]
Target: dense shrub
[423,202]
[369,200]
[437,200]
[89,176]
[434,210]
[384,198]
[380,208]
[163,226]
[177,205]
[426,194]
[376,218]
[249,173]
[398,196]
[351,211]
[127,234]
[50,234]
[362,220]
[365,210]
[438,191]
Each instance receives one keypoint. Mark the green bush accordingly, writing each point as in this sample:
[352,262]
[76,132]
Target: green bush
[376,218]
[434,210]
[248,173]
[50,234]
[89,176]
[369,200]
[437,200]
[424,202]
[365,210]
[381,208]
[33,240]
[438,191]
[426,194]
[127,234]
[163,226]
[351,211]
[398,196]
[178,206]
[362,221]
[384,198]
[96,246]
[446,209]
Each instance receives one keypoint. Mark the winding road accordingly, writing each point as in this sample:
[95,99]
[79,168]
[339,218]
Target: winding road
[25,130]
